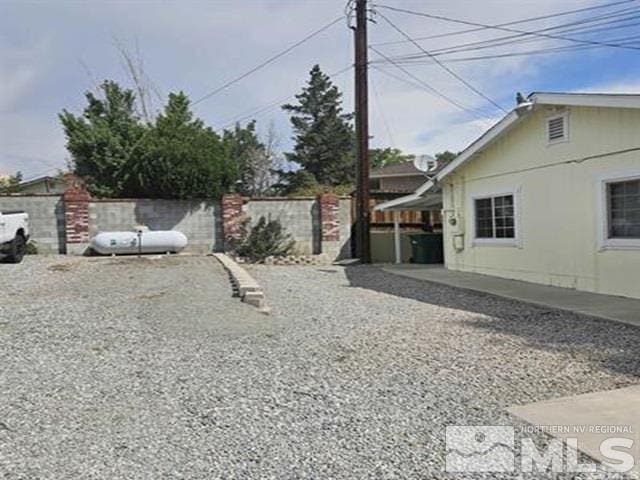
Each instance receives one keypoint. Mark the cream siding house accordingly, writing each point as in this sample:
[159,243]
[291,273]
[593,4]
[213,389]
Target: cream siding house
[550,194]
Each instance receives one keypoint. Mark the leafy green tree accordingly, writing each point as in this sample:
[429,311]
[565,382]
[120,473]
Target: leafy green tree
[323,135]
[10,183]
[182,158]
[243,146]
[445,157]
[383,157]
[174,156]
[104,138]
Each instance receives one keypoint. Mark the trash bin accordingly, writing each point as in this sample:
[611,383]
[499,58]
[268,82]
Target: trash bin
[426,248]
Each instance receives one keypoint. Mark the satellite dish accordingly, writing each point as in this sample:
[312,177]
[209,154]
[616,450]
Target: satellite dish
[425,163]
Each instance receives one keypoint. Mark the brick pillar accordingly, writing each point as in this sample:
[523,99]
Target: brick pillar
[232,218]
[329,223]
[76,214]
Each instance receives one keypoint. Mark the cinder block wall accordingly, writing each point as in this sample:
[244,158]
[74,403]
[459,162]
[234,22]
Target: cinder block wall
[65,223]
[198,220]
[46,217]
[302,217]
[299,216]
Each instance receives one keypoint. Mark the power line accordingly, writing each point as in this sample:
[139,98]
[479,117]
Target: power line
[268,61]
[564,28]
[412,58]
[443,66]
[417,59]
[382,115]
[254,112]
[562,162]
[512,30]
[265,108]
[425,86]
[525,20]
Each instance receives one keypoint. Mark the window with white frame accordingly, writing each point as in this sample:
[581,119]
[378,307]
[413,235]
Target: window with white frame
[495,217]
[623,209]
[557,128]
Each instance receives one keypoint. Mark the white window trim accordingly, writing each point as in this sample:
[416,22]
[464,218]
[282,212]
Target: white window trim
[604,242]
[497,242]
[563,139]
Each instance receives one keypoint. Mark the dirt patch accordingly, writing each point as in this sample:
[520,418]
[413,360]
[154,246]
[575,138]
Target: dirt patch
[61,267]
[150,295]
[157,261]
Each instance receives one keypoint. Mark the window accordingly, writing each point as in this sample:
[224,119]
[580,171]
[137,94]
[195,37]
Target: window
[557,127]
[623,209]
[495,217]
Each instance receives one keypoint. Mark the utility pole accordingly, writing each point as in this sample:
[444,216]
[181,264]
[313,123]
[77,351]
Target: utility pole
[363,246]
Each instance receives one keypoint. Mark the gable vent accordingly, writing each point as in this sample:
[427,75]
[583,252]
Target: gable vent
[556,128]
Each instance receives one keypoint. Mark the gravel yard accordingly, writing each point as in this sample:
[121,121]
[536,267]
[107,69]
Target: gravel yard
[148,369]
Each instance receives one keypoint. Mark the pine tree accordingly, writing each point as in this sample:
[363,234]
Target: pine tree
[323,135]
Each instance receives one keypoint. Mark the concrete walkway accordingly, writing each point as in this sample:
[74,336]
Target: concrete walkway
[619,309]
[590,419]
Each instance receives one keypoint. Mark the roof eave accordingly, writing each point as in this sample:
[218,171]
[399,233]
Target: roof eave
[605,100]
[394,175]
[396,202]
[508,121]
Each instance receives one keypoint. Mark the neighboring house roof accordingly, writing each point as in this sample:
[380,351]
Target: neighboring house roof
[34,181]
[507,122]
[49,183]
[405,169]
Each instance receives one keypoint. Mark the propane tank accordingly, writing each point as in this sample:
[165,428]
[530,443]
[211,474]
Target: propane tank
[139,241]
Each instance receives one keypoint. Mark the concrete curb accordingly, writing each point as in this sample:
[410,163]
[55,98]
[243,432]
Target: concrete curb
[244,284]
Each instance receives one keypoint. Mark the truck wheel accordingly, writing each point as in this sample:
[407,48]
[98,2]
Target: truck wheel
[16,252]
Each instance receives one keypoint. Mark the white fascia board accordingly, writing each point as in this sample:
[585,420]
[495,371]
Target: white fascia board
[587,100]
[396,202]
[489,136]
[392,175]
[425,187]
[564,99]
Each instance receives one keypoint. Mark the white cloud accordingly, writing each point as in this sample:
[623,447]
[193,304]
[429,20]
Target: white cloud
[612,87]
[21,67]
[196,46]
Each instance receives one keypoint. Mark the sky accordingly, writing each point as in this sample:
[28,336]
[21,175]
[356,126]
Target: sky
[51,52]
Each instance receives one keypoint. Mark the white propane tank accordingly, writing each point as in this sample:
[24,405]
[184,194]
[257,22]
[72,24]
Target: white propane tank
[122,243]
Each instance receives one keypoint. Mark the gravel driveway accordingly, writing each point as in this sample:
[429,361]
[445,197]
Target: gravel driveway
[149,370]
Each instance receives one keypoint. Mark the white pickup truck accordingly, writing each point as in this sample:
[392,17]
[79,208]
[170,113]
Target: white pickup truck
[14,234]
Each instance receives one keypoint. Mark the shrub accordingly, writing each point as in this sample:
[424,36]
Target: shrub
[317,189]
[265,239]
[31,248]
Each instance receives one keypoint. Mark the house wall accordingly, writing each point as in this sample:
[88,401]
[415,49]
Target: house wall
[46,219]
[43,186]
[559,202]
[401,184]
